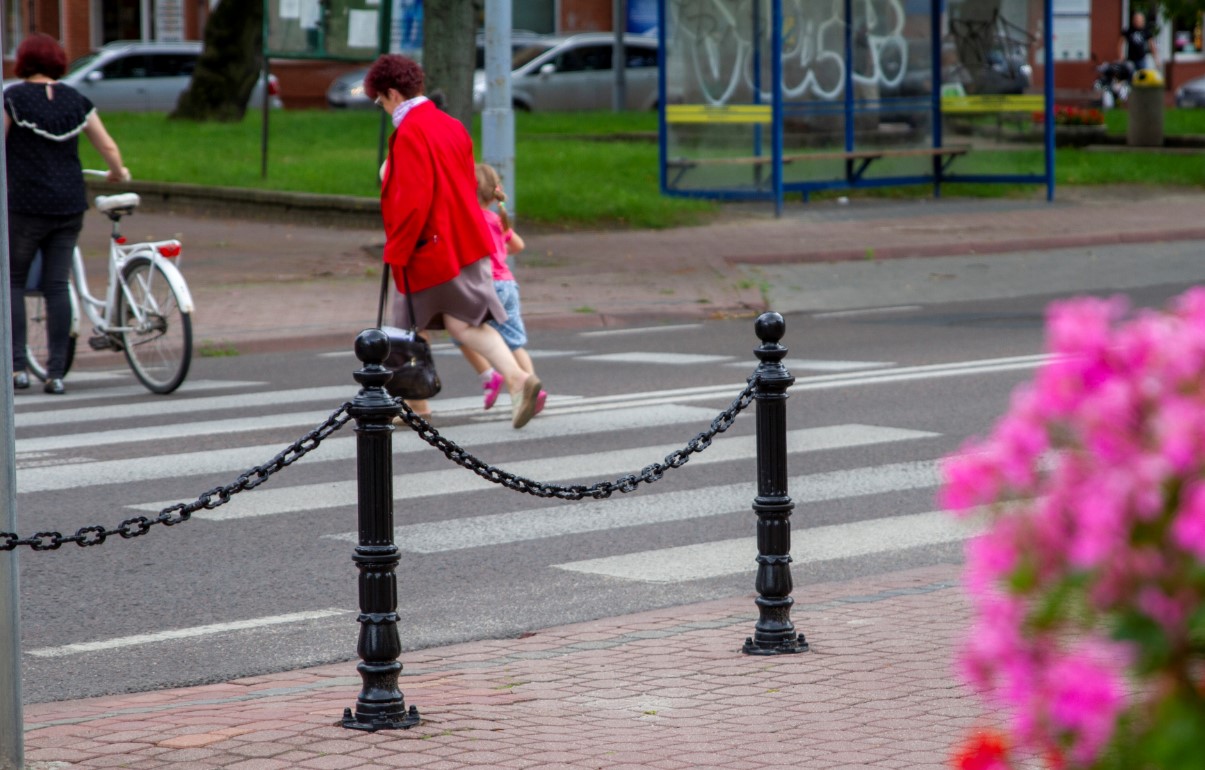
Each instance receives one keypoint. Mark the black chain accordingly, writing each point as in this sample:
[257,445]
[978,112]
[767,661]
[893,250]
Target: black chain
[181,512]
[599,490]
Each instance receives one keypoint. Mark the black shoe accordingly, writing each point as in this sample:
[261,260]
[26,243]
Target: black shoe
[54,387]
[20,381]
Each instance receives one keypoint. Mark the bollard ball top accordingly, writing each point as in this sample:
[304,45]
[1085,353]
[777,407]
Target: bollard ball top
[770,327]
[372,346]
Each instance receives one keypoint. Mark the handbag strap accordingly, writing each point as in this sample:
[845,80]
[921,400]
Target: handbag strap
[384,291]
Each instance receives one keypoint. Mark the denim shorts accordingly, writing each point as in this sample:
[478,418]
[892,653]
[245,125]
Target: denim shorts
[513,332]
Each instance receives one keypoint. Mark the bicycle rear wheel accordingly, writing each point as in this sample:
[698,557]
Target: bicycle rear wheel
[158,340]
[37,347]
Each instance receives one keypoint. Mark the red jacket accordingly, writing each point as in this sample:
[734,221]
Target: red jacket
[433,223]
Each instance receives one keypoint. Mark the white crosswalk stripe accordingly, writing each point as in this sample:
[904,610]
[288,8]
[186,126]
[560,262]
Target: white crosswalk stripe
[816,544]
[310,497]
[595,516]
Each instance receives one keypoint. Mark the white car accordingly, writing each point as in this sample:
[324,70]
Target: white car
[145,77]
[575,73]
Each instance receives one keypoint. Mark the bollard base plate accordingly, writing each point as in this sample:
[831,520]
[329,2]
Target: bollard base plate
[788,646]
[352,722]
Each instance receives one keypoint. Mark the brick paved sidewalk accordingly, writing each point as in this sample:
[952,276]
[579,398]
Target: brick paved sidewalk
[665,689]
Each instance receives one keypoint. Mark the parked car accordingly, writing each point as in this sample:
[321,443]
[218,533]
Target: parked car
[575,73]
[144,76]
[347,91]
[1191,94]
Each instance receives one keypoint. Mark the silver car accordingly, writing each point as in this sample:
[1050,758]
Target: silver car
[575,73]
[1191,94]
[347,91]
[144,77]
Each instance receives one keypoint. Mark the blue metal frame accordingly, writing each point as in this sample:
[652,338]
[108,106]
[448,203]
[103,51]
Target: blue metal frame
[849,106]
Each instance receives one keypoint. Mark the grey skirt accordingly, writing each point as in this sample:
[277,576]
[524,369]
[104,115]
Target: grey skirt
[469,297]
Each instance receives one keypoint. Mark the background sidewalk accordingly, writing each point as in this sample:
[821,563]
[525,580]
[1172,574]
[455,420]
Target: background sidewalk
[667,689]
[261,285]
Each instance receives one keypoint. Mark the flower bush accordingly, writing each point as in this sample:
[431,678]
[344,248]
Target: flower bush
[1087,585]
[1066,115]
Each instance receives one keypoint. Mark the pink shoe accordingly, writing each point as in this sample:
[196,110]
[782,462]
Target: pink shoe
[492,388]
[540,399]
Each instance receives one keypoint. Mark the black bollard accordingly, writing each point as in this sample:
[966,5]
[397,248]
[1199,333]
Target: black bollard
[774,634]
[381,705]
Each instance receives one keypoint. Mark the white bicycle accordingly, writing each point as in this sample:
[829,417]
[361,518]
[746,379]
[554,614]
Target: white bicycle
[145,311]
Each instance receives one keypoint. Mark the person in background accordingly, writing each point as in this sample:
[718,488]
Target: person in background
[46,197]
[506,241]
[436,239]
[1138,45]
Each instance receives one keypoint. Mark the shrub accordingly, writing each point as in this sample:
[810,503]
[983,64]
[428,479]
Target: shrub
[1087,585]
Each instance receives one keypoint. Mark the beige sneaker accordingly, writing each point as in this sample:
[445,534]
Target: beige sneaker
[523,403]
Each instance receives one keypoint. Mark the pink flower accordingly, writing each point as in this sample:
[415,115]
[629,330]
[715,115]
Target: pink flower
[969,480]
[1086,695]
[1188,528]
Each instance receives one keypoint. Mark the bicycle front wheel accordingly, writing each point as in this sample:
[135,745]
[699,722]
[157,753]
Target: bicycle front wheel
[158,334]
[37,345]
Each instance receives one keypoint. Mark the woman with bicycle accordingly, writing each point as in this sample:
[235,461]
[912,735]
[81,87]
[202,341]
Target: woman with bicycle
[46,197]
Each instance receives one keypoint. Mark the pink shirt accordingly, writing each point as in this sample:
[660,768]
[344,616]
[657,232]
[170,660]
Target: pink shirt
[501,238]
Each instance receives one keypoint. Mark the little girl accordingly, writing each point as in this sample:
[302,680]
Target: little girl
[506,241]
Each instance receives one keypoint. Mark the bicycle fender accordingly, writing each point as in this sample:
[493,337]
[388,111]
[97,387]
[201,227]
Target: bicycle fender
[176,278]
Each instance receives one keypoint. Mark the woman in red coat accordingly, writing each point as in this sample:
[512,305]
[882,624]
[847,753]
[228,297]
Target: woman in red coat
[436,238]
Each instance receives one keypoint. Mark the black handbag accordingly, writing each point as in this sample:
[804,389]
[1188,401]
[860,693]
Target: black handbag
[414,376]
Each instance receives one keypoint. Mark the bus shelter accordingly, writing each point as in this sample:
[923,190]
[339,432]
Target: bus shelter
[761,98]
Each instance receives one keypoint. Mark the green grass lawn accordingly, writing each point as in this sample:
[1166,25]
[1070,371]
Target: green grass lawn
[595,169]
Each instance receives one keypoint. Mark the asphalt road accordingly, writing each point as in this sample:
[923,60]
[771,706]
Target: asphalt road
[886,385]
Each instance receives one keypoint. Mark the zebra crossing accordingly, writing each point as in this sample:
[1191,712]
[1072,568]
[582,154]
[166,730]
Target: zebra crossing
[94,445]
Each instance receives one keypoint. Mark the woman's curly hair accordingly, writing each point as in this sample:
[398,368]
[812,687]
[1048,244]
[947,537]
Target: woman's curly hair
[393,71]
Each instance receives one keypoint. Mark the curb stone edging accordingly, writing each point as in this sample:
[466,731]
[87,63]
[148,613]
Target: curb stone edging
[348,211]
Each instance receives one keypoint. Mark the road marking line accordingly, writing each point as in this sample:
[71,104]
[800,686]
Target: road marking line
[636,357]
[311,497]
[811,546]
[109,394]
[794,364]
[339,449]
[181,633]
[641,330]
[869,311]
[684,505]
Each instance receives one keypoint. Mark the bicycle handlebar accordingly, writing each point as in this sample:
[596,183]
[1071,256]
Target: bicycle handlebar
[125,173]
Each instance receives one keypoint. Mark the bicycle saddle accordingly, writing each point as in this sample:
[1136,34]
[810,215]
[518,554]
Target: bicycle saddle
[123,201]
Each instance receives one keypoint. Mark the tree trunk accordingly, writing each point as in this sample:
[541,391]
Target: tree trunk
[449,52]
[230,63]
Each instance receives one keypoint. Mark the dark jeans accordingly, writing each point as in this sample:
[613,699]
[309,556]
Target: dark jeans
[55,237]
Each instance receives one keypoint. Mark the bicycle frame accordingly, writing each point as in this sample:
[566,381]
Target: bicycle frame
[100,310]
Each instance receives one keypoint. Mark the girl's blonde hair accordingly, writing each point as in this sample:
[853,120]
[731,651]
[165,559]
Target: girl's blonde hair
[489,190]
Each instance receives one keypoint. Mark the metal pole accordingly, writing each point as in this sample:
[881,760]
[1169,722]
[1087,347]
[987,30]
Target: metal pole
[12,737]
[497,114]
[618,57]
[774,634]
[381,705]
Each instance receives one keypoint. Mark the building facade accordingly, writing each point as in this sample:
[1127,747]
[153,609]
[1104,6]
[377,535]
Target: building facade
[85,25]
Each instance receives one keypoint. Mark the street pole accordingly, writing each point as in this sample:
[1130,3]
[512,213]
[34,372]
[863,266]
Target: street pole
[12,737]
[619,23]
[498,115]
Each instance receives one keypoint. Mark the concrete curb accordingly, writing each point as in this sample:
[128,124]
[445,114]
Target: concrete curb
[302,208]
[1048,243]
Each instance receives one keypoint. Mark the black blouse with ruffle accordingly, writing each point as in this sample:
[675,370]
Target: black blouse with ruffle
[42,148]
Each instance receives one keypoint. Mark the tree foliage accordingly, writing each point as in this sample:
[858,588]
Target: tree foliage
[230,63]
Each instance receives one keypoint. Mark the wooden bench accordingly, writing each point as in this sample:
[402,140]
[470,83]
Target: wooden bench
[1003,106]
[856,161]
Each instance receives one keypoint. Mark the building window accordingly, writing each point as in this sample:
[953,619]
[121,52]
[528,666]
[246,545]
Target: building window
[12,28]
